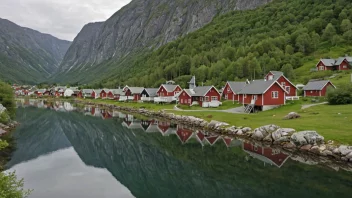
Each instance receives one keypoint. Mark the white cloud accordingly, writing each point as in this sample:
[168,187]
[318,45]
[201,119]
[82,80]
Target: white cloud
[60,18]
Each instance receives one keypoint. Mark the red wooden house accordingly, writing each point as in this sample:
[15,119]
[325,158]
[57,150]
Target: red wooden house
[342,63]
[104,94]
[40,92]
[231,89]
[266,154]
[168,90]
[291,89]
[263,95]
[96,93]
[114,94]
[317,88]
[133,91]
[201,95]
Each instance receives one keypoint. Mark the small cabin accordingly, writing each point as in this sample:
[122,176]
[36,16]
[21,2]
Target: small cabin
[317,88]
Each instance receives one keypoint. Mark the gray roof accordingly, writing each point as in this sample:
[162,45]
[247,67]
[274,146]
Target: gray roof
[116,91]
[339,60]
[136,90]
[349,59]
[277,73]
[41,90]
[315,85]
[87,91]
[169,88]
[236,86]
[257,87]
[151,91]
[199,91]
[328,62]
[98,91]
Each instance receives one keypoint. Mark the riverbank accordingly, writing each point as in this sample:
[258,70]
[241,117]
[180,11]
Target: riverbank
[290,139]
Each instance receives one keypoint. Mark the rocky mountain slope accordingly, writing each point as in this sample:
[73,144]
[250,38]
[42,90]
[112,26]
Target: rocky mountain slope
[27,55]
[142,24]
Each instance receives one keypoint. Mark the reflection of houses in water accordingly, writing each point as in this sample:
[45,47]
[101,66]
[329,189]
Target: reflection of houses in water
[150,126]
[68,106]
[231,142]
[266,154]
[166,128]
[184,134]
[130,122]
[106,114]
[212,139]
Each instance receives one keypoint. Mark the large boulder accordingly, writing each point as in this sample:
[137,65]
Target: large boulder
[345,150]
[257,135]
[292,115]
[307,137]
[276,135]
[264,130]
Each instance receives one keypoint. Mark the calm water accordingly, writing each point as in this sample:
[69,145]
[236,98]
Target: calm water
[96,154]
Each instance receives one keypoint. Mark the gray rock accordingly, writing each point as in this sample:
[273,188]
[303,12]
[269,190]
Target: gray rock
[336,151]
[349,156]
[282,132]
[2,131]
[2,108]
[246,129]
[289,145]
[292,115]
[239,132]
[344,150]
[282,139]
[307,137]
[216,124]
[314,149]
[306,147]
[268,138]
[327,152]
[344,159]
[257,135]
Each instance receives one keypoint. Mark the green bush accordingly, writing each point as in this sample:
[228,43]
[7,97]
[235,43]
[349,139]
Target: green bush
[7,99]
[340,96]
[4,118]
[10,187]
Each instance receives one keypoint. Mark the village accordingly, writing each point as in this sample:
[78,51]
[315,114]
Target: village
[256,95]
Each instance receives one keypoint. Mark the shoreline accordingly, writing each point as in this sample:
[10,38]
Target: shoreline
[308,143]
[6,153]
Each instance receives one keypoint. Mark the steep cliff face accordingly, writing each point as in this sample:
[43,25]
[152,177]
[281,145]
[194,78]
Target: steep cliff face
[144,24]
[27,55]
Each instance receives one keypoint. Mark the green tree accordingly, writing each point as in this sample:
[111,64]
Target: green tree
[348,36]
[346,25]
[329,32]
[303,43]
[289,49]
[11,187]
[336,40]
[287,69]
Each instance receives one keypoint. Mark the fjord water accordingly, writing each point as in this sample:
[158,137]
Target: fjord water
[73,155]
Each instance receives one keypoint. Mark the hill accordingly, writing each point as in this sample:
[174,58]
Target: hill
[28,56]
[282,35]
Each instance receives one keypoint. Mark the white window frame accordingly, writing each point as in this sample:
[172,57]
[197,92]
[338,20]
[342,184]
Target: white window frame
[321,68]
[228,89]
[289,89]
[345,66]
[214,98]
[189,101]
[245,96]
[206,98]
[270,77]
[201,99]
[311,91]
[275,94]
[181,101]
[226,97]
[255,97]
[283,84]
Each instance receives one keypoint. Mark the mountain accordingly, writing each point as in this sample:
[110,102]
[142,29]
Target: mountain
[290,36]
[28,56]
[139,26]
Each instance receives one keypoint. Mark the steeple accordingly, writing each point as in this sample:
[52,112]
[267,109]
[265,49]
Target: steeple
[192,83]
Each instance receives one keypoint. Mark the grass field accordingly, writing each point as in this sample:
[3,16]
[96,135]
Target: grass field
[333,122]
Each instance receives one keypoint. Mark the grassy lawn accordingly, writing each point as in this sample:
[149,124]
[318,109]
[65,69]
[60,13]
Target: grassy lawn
[225,105]
[333,122]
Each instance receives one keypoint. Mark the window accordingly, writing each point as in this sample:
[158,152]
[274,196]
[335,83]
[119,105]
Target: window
[214,98]
[274,94]
[321,67]
[245,96]
[183,94]
[283,84]
[345,66]
[181,101]
[226,96]
[201,98]
[228,89]
[206,98]
[270,77]
[311,91]
[255,97]
[288,89]
[189,101]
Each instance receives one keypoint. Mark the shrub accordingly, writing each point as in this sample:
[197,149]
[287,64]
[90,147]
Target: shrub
[7,99]
[340,96]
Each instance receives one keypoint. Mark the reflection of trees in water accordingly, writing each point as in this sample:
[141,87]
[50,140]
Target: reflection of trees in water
[152,165]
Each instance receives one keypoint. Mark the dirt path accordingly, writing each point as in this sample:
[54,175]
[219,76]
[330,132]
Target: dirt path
[312,105]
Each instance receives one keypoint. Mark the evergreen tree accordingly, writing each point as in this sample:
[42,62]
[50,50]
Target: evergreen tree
[346,25]
[287,69]
[329,32]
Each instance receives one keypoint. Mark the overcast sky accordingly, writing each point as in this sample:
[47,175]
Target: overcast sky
[60,18]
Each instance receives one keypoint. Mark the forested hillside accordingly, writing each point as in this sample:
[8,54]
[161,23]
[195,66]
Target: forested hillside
[283,35]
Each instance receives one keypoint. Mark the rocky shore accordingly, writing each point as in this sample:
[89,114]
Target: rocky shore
[307,142]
